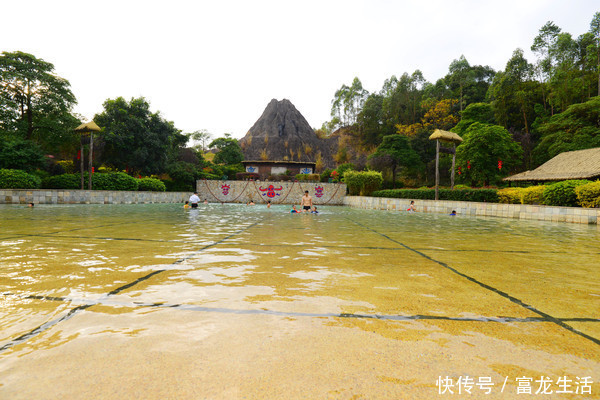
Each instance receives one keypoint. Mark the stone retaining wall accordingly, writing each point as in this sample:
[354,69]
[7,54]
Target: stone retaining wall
[64,196]
[276,192]
[517,211]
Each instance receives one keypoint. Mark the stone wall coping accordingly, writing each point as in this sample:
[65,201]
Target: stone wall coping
[78,196]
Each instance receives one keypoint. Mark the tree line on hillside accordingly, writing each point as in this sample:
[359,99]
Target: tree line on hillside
[37,132]
[511,120]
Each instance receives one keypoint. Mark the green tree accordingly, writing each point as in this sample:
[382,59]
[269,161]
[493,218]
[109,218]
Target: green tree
[18,153]
[542,45]
[347,102]
[135,139]
[483,147]
[371,120]
[475,112]
[230,151]
[460,76]
[595,48]
[35,103]
[574,129]
[393,153]
[202,136]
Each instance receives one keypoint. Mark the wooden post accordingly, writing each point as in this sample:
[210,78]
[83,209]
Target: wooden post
[90,156]
[81,163]
[452,171]
[437,168]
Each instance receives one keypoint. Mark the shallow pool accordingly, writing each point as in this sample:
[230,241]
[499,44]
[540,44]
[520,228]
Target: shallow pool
[232,301]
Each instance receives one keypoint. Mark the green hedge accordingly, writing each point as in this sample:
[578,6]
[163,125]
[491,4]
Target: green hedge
[562,193]
[100,181]
[363,183]
[479,195]
[18,179]
[151,185]
[588,195]
[114,181]
[510,195]
[533,195]
[64,181]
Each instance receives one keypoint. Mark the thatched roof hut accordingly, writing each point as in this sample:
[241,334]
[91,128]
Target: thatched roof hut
[580,164]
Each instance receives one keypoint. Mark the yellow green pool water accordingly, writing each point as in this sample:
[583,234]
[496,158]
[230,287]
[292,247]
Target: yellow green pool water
[231,301]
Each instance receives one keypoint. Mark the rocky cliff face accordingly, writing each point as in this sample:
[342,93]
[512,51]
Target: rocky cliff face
[283,134]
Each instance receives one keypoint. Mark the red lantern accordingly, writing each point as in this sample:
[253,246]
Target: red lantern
[468,164]
[499,164]
[459,170]
[79,154]
[93,170]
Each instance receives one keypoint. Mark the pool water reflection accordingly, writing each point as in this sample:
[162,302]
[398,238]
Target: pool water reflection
[234,301]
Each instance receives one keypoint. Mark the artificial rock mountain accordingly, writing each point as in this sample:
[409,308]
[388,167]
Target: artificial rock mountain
[283,134]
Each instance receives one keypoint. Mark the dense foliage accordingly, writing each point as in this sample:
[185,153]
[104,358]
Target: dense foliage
[362,183]
[546,106]
[18,153]
[136,139]
[63,181]
[151,185]
[576,128]
[17,179]
[393,154]
[114,181]
[35,103]
[528,195]
[229,149]
[487,154]
[588,195]
[562,193]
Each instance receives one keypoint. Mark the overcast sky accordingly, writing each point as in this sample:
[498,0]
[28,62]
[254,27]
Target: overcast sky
[215,65]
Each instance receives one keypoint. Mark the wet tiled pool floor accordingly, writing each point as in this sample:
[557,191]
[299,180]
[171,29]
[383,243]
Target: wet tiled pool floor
[233,301]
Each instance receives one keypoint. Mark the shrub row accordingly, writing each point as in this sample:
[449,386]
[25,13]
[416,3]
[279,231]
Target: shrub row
[109,181]
[18,179]
[362,183]
[588,195]
[557,194]
[478,195]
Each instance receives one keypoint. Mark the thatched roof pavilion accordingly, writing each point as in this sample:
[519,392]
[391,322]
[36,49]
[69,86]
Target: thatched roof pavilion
[87,127]
[580,164]
[445,136]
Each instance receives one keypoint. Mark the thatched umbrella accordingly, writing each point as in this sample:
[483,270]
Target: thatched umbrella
[447,137]
[83,130]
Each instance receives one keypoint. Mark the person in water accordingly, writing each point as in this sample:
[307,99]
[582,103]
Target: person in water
[194,200]
[412,207]
[314,210]
[453,213]
[294,210]
[306,202]
[187,204]
[269,204]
